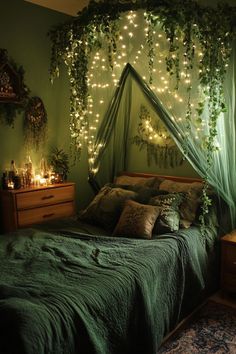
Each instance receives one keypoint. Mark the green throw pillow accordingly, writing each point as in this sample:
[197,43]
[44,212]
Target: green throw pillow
[169,216]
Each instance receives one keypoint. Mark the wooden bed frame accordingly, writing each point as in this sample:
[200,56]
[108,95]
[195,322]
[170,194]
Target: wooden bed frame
[172,178]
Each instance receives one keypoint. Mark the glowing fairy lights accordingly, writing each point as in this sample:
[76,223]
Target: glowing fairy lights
[97,50]
[132,47]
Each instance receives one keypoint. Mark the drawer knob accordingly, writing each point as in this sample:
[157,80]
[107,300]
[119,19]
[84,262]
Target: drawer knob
[48,215]
[47,197]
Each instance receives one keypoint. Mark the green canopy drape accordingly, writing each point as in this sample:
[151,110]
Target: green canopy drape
[115,130]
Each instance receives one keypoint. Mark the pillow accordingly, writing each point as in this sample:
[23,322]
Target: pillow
[105,208]
[167,221]
[136,220]
[168,199]
[191,202]
[153,182]
[144,193]
[169,217]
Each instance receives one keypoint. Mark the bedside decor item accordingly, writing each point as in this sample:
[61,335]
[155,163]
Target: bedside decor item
[59,160]
[35,122]
[13,91]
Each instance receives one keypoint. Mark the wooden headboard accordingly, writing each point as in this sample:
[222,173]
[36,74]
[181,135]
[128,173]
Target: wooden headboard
[172,178]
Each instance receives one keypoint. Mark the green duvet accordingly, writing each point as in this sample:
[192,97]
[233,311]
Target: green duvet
[65,293]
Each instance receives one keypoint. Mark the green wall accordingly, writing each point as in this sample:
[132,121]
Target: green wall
[24,27]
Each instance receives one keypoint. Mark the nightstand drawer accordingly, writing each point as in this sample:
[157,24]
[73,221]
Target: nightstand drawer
[228,281]
[228,262]
[230,259]
[43,197]
[38,215]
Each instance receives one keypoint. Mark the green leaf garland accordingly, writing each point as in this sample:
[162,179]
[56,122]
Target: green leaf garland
[165,153]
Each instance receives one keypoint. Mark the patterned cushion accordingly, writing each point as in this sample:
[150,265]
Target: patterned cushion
[106,207]
[144,193]
[169,217]
[190,204]
[170,199]
[137,220]
[167,221]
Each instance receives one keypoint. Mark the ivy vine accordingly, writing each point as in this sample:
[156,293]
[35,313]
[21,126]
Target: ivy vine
[210,28]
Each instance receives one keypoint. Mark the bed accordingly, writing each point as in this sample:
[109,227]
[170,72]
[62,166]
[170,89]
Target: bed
[102,282]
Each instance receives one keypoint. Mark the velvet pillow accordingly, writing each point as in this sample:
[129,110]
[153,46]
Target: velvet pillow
[191,201]
[152,182]
[144,193]
[106,207]
[167,221]
[136,220]
[169,217]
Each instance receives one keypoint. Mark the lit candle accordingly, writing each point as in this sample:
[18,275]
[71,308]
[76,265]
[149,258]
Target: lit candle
[10,185]
[42,181]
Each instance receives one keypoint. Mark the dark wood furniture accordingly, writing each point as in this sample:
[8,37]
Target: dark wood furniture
[228,262]
[172,178]
[27,206]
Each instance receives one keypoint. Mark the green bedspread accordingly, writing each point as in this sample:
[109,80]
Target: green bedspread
[64,293]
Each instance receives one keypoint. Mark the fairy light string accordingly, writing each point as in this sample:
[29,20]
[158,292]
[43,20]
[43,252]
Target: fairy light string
[175,59]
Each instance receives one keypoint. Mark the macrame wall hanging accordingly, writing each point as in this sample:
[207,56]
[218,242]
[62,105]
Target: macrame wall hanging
[35,123]
[161,148]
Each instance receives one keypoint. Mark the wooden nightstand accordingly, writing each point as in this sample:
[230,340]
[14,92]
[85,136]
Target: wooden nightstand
[228,262]
[27,206]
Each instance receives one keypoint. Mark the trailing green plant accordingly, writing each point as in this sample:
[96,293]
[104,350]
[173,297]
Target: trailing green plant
[35,123]
[152,22]
[59,160]
[210,28]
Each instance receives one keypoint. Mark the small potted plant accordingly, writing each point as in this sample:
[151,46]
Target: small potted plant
[59,161]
